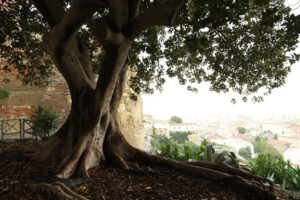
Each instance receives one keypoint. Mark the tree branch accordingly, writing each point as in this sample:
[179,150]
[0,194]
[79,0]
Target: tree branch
[162,15]
[98,28]
[116,49]
[133,8]
[50,9]
[68,53]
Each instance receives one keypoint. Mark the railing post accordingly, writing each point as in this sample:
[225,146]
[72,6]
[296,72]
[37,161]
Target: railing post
[24,126]
[20,128]
[2,129]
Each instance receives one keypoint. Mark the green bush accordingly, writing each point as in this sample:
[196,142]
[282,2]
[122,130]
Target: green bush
[267,165]
[175,119]
[170,148]
[4,93]
[180,137]
[262,147]
[44,121]
[293,178]
[278,170]
[241,130]
[245,152]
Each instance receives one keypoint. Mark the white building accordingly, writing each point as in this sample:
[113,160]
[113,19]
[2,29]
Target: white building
[236,143]
[184,127]
[275,128]
[292,154]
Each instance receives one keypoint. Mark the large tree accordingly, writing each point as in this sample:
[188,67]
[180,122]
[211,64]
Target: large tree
[244,45]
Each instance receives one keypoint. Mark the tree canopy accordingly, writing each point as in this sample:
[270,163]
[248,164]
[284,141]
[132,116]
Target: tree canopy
[175,119]
[241,130]
[235,45]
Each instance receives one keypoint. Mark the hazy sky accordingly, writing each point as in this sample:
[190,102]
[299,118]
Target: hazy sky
[176,100]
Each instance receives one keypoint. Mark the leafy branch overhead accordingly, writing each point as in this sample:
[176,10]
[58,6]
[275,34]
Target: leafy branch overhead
[240,45]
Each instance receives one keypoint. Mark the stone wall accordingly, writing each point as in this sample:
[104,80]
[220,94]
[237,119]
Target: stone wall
[23,99]
[131,117]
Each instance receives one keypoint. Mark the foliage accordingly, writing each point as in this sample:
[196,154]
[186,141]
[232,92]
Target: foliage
[21,30]
[245,152]
[44,121]
[223,157]
[267,165]
[244,46]
[293,178]
[175,119]
[241,130]
[153,130]
[278,170]
[189,151]
[4,93]
[257,139]
[157,141]
[162,146]
[231,44]
[263,147]
[180,137]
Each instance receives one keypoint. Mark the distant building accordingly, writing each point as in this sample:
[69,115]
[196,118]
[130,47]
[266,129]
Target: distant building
[235,142]
[280,145]
[294,140]
[294,129]
[292,154]
[162,128]
[277,128]
[184,127]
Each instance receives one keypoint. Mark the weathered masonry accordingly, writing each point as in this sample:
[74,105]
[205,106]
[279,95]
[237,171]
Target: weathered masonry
[56,96]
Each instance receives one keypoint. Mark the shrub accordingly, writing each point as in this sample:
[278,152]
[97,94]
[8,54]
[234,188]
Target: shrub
[4,93]
[278,170]
[180,137]
[293,178]
[175,119]
[241,130]
[245,152]
[44,121]
[270,166]
[262,147]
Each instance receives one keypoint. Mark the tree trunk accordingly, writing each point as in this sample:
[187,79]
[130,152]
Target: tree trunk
[79,142]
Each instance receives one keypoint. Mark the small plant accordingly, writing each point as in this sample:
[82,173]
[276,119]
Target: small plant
[4,93]
[293,178]
[272,167]
[44,121]
[226,157]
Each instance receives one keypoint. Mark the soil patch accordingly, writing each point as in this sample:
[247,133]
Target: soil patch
[110,183]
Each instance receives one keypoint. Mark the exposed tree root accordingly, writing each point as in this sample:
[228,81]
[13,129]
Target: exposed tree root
[260,187]
[56,190]
[223,167]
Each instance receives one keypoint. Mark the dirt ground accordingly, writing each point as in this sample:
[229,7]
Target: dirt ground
[108,183]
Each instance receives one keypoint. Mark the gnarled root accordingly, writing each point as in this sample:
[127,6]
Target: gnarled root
[261,188]
[56,190]
[223,167]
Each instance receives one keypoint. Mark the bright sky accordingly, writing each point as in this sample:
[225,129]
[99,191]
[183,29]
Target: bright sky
[176,100]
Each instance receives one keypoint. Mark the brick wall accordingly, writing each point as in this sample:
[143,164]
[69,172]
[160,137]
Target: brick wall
[23,99]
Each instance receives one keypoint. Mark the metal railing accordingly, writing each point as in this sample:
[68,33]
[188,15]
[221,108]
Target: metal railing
[15,128]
